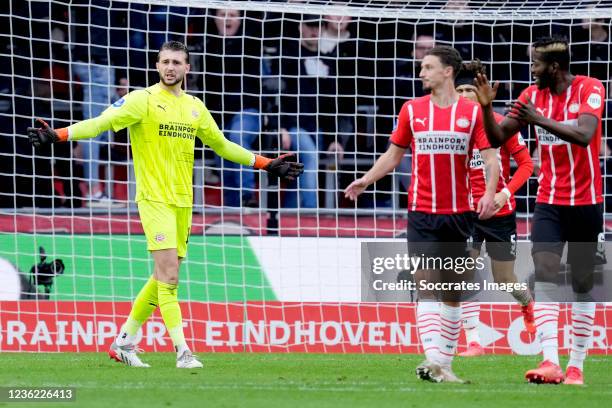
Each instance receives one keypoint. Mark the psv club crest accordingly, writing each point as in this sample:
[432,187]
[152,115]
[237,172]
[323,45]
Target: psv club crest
[574,108]
[462,122]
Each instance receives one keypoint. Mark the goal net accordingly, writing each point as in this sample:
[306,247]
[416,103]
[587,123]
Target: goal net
[271,266]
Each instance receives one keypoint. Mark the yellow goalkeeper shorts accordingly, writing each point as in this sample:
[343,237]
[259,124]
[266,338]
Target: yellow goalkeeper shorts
[166,226]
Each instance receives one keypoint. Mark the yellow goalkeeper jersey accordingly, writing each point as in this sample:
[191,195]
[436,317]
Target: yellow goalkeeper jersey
[163,128]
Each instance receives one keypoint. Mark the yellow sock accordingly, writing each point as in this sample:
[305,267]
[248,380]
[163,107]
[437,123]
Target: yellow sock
[171,312]
[144,305]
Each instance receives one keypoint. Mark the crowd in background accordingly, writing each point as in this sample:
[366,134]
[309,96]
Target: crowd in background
[326,87]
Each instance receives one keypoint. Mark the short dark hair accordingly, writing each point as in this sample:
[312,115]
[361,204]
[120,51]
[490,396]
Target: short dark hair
[468,72]
[553,49]
[174,46]
[311,20]
[448,56]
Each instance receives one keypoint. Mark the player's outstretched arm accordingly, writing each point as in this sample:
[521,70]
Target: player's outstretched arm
[385,164]
[85,129]
[46,135]
[580,134]
[486,205]
[285,166]
[496,133]
[523,171]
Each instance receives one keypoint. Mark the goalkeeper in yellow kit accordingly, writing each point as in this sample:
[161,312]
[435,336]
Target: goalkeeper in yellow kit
[163,122]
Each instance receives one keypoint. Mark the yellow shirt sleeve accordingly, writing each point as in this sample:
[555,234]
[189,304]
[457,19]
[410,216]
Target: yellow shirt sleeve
[123,113]
[128,110]
[210,135]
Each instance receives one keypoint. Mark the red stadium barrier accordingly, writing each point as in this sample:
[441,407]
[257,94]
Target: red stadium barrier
[290,225]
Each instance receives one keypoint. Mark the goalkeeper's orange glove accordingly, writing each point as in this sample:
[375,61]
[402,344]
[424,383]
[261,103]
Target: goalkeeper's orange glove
[284,166]
[46,135]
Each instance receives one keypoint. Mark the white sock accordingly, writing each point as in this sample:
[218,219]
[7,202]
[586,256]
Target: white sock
[470,318]
[180,349]
[428,323]
[547,323]
[546,292]
[583,315]
[124,337]
[450,328]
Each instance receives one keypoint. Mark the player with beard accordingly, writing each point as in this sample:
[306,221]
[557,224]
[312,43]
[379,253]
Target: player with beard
[163,122]
[441,129]
[565,111]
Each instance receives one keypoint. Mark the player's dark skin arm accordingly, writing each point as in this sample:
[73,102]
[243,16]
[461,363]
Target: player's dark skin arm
[580,134]
[497,133]
[522,113]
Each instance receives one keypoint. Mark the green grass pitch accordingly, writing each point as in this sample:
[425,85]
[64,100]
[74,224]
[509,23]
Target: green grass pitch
[297,380]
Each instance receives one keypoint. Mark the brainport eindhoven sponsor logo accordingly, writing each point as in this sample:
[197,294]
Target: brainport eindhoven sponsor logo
[177,130]
[476,162]
[547,138]
[441,142]
[324,327]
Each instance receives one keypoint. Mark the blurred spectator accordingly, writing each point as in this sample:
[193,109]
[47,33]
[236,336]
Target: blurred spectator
[165,23]
[335,31]
[56,72]
[591,53]
[423,43]
[123,87]
[53,83]
[408,84]
[117,154]
[95,73]
[233,88]
[591,49]
[461,34]
[136,21]
[309,88]
[338,43]
[56,185]
[96,79]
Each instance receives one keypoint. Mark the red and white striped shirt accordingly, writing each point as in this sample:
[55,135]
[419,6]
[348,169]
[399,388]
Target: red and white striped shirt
[442,140]
[477,173]
[569,174]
